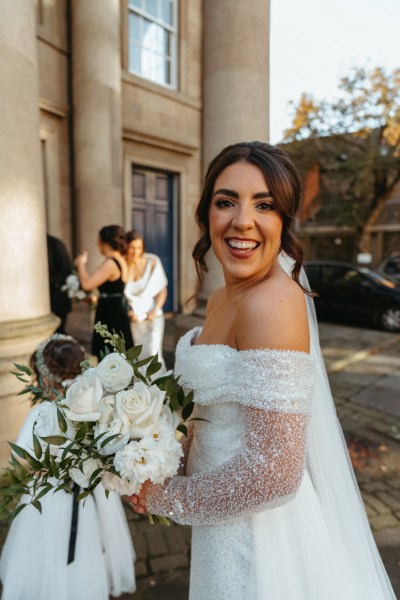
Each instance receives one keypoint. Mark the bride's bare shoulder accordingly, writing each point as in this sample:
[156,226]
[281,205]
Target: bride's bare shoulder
[273,315]
[215,299]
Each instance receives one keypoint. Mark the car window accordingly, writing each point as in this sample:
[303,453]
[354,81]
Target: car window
[341,275]
[313,274]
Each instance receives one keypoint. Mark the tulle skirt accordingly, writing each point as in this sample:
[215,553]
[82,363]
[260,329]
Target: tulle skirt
[285,553]
[34,565]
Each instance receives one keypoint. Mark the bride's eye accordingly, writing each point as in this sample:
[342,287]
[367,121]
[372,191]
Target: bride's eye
[266,206]
[223,203]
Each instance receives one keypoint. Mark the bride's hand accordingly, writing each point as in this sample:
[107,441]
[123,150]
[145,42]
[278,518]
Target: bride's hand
[138,501]
[81,259]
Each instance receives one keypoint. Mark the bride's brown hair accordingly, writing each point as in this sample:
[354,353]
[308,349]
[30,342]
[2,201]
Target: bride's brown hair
[283,182]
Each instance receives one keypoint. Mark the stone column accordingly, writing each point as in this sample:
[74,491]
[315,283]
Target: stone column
[25,317]
[97,120]
[236,83]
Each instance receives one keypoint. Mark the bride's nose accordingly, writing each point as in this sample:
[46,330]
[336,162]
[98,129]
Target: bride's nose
[243,218]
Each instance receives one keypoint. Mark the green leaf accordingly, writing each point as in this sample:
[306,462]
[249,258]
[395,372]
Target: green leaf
[81,432]
[83,495]
[187,411]
[55,440]
[183,429]
[142,363]
[109,439]
[133,353]
[189,398]
[43,492]
[37,505]
[18,450]
[95,474]
[62,423]
[18,510]
[37,465]
[24,369]
[153,368]
[37,446]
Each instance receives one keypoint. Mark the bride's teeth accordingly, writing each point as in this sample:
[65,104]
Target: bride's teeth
[242,245]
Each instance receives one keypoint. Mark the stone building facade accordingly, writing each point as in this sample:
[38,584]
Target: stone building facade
[111,109]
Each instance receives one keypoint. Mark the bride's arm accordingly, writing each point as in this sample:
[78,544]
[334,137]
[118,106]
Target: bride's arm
[267,473]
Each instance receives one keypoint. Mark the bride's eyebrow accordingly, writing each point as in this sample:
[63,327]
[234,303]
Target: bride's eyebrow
[233,194]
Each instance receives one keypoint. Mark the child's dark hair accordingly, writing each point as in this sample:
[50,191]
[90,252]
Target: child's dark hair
[57,359]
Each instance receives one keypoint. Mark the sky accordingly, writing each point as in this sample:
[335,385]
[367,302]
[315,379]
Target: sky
[315,42]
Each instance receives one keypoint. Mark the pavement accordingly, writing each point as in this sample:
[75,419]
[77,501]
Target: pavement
[364,371]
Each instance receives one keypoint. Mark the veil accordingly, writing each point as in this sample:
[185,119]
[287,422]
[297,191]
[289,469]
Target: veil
[333,478]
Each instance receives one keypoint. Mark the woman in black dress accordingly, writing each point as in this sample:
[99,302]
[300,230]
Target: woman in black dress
[110,280]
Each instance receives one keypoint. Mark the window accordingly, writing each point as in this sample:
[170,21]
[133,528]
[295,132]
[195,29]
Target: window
[153,40]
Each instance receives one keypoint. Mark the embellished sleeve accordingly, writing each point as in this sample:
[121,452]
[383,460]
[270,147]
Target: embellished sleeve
[268,470]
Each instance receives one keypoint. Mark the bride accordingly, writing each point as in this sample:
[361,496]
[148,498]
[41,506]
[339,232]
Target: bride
[268,488]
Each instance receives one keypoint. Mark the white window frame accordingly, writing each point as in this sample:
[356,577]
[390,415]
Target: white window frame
[172,29]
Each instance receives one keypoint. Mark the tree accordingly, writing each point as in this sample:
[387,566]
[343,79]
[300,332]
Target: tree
[357,137]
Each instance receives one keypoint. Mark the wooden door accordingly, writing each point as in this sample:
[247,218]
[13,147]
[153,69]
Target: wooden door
[153,194]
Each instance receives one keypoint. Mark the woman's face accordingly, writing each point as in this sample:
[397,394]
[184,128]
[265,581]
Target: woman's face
[245,226]
[135,249]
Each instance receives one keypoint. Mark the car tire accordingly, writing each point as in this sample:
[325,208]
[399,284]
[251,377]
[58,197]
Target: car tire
[390,318]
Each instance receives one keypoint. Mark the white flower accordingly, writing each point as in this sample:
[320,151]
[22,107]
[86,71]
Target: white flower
[115,372]
[139,408]
[154,457]
[172,418]
[109,427]
[46,422]
[84,399]
[113,483]
[89,466]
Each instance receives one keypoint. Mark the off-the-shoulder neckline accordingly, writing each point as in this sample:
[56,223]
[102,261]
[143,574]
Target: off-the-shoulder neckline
[194,333]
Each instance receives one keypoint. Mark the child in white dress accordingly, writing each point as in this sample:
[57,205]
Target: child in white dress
[73,550]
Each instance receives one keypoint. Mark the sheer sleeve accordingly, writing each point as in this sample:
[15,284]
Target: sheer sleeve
[267,473]
[274,390]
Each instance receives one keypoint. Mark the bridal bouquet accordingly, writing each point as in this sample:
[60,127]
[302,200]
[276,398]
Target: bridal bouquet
[115,425]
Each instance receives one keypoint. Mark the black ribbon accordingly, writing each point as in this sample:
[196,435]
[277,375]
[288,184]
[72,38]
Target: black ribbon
[74,524]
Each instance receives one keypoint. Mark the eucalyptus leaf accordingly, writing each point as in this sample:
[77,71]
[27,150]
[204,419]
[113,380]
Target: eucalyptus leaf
[37,447]
[55,440]
[62,423]
[18,450]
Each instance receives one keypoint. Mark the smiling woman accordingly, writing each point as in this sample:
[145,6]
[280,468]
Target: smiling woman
[268,486]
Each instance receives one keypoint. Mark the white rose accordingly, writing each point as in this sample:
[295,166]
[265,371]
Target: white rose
[115,372]
[84,399]
[139,408]
[113,483]
[46,422]
[89,466]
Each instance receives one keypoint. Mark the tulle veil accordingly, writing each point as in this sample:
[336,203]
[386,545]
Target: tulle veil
[333,479]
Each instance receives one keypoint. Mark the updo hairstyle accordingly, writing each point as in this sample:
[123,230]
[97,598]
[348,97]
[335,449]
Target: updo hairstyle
[114,236]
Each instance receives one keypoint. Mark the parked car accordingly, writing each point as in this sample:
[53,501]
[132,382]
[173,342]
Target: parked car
[391,267]
[356,294]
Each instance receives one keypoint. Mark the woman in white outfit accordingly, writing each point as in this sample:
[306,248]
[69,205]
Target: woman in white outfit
[269,489]
[146,292]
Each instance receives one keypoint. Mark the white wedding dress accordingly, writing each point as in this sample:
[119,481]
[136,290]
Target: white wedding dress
[34,562]
[266,525]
